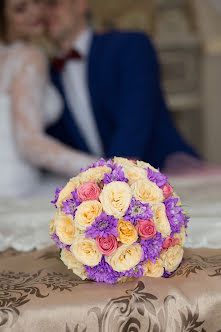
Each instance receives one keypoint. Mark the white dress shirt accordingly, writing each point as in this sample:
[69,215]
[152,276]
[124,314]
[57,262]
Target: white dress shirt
[75,82]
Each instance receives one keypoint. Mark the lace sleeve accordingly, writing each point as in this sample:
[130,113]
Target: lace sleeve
[27,109]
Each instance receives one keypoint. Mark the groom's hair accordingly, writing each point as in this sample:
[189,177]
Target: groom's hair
[2,20]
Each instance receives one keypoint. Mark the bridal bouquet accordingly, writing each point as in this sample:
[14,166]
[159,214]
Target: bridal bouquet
[118,220]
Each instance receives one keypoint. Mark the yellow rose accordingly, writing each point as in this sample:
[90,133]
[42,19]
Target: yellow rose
[181,236]
[127,232]
[65,229]
[160,219]
[172,258]
[125,257]
[147,192]
[153,270]
[123,162]
[52,227]
[142,164]
[86,214]
[67,190]
[70,261]
[134,173]
[86,251]
[96,174]
[115,198]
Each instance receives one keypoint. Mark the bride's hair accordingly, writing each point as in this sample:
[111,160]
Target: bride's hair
[2,19]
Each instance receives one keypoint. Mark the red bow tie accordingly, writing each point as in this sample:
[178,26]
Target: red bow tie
[59,62]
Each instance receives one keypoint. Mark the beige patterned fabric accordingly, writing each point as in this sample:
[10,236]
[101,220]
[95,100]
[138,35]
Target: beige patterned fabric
[37,293]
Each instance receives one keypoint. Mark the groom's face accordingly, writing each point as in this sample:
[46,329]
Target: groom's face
[64,17]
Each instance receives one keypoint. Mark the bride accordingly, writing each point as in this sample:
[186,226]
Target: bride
[28,103]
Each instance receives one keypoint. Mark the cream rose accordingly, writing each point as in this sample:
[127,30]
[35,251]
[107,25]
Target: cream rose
[65,228]
[86,214]
[160,219]
[172,258]
[127,232]
[79,232]
[147,192]
[153,270]
[115,198]
[134,173]
[123,161]
[86,251]
[125,257]
[52,228]
[70,261]
[142,164]
[94,174]
[181,236]
[67,190]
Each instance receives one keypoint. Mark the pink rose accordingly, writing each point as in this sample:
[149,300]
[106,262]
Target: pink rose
[167,190]
[133,161]
[146,229]
[107,246]
[170,242]
[88,191]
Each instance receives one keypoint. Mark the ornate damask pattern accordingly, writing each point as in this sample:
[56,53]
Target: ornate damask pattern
[10,253]
[196,263]
[16,289]
[139,311]
[142,305]
[50,254]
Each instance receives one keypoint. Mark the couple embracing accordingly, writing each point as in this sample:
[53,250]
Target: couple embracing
[99,96]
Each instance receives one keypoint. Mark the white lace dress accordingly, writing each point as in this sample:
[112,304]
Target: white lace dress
[27,104]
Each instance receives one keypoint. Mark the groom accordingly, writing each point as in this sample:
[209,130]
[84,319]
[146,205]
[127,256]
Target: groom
[113,103]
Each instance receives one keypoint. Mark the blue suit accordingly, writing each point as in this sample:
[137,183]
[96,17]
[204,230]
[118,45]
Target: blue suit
[127,101]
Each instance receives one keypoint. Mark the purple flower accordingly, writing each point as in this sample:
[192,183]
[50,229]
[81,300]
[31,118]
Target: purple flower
[157,177]
[99,163]
[138,211]
[175,215]
[71,204]
[103,272]
[85,169]
[136,271]
[103,226]
[168,274]
[152,248]
[57,192]
[116,174]
[58,243]
[102,162]
[186,220]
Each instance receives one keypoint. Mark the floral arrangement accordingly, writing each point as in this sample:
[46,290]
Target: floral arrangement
[118,220]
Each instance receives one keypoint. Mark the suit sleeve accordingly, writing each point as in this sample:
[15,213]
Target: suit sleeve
[138,84]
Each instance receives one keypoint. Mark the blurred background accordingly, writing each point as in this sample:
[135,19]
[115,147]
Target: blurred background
[187,36]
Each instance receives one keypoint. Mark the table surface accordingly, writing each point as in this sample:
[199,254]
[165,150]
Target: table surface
[38,293]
